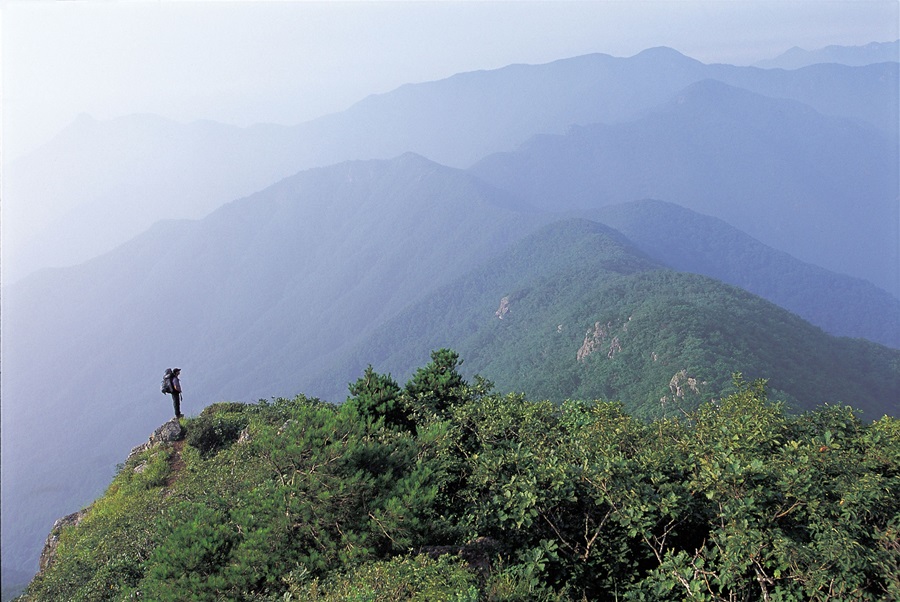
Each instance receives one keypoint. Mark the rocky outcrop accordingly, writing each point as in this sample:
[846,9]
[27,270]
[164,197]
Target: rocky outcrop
[681,386]
[48,555]
[169,432]
[593,340]
[503,309]
[596,340]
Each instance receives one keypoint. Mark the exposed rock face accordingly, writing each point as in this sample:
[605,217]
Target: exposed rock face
[503,309]
[48,555]
[602,337]
[681,382]
[614,347]
[136,450]
[593,340]
[681,385]
[167,433]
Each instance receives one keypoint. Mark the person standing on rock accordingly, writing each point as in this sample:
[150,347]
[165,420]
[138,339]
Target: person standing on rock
[176,392]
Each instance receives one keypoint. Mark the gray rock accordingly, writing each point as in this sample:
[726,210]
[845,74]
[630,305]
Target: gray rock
[136,450]
[170,431]
[48,555]
[166,433]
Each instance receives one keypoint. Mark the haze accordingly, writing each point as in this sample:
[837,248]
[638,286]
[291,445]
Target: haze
[287,62]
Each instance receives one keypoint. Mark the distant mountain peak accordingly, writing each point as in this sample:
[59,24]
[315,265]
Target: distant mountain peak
[659,51]
[664,55]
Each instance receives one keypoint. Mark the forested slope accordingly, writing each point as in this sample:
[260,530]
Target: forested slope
[576,311]
[692,242]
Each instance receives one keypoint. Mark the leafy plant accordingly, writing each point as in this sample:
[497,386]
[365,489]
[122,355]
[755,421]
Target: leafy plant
[215,430]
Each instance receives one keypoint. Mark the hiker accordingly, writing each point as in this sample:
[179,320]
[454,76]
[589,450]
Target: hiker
[172,385]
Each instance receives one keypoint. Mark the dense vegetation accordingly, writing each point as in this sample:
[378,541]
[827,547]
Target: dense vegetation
[445,490]
[658,340]
[700,244]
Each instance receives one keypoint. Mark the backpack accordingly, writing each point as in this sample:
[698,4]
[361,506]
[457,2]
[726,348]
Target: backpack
[166,386]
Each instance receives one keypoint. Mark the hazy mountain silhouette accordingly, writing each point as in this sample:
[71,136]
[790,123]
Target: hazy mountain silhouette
[823,189]
[874,52]
[98,184]
[691,242]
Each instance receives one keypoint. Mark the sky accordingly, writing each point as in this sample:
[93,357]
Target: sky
[288,62]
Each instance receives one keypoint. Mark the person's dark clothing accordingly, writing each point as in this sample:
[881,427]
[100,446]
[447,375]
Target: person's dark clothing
[176,394]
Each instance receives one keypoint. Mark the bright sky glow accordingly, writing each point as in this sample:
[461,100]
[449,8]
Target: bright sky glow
[287,62]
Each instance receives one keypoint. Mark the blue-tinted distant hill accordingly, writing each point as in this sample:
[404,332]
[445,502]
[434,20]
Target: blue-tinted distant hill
[691,242]
[874,52]
[100,183]
[821,188]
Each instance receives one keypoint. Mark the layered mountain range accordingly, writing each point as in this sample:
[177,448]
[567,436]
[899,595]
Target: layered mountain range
[627,229]
[99,183]
[823,189]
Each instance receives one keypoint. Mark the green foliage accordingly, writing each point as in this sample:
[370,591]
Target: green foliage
[217,428]
[197,541]
[436,387]
[377,396]
[413,579]
[527,500]
[589,317]
[105,556]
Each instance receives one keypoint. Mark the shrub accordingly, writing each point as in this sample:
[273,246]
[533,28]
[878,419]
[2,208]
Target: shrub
[212,432]
[414,578]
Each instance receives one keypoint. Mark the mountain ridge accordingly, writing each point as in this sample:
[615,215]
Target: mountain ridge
[63,197]
[258,295]
[575,277]
[692,242]
[63,356]
[795,182]
[873,52]
[282,278]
